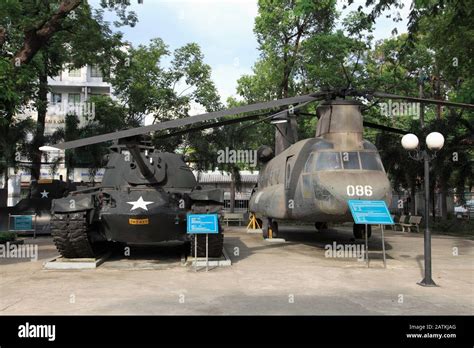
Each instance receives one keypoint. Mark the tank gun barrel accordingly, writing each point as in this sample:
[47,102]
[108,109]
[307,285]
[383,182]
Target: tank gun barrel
[136,154]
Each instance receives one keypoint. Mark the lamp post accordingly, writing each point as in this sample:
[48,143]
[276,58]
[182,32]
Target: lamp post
[434,142]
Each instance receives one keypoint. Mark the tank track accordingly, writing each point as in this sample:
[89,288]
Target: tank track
[69,233]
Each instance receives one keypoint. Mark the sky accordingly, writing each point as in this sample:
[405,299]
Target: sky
[222,28]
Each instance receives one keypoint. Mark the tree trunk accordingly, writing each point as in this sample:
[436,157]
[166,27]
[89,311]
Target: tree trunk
[422,106]
[5,180]
[38,37]
[232,192]
[437,91]
[412,199]
[444,204]
[42,107]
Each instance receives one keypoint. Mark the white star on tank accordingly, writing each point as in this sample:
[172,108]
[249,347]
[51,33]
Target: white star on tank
[139,203]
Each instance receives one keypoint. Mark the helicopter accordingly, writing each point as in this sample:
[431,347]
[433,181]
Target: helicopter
[313,179]
[309,180]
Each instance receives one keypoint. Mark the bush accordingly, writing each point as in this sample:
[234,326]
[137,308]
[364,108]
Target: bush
[7,237]
[456,226]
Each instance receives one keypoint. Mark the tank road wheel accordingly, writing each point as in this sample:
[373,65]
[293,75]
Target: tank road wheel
[69,233]
[216,243]
[359,231]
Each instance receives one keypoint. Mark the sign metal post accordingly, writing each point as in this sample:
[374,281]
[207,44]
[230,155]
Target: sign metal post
[202,224]
[367,244]
[195,252]
[382,227]
[207,252]
[371,213]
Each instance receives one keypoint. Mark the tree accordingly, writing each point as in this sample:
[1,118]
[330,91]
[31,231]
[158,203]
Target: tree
[13,145]
[36,39]
[146,88]
[399,65]
[109,116]
[282,27]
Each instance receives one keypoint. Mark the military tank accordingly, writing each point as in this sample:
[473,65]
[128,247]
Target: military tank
[144,198]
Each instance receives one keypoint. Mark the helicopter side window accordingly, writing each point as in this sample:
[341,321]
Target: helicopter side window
[350,160]
[370,161]
[328,161]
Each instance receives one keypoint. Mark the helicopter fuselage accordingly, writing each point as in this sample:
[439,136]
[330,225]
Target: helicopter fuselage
[312,180]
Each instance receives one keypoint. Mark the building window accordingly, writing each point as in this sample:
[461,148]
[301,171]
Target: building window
[56,98]
[75,73]
[74,98]
[95,71]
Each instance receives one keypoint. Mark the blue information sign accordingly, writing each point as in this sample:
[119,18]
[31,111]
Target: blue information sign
[23,223]
[202,223]
[370,212]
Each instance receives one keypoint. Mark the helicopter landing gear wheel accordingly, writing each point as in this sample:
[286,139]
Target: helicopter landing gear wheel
[321,226]
[265,228]
[274,229]
[269,225]
[359,231]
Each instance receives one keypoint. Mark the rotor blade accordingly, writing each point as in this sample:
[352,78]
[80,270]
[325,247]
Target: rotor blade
[384,128]
[211,125]
[184,121]
[422,100]
[283,113]
[370,125]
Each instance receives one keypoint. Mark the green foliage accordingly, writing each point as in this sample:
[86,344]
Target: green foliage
[437,52]
[109,116]
[14,143]
[453,227]
[146,87]
[46,43]
[7,237]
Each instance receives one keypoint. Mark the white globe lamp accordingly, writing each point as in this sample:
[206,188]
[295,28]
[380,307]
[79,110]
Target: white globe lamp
[435,141]
[410,141]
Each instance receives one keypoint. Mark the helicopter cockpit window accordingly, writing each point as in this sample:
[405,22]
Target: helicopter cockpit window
[308,167]
[370,161]
[350,160]
[328,161]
